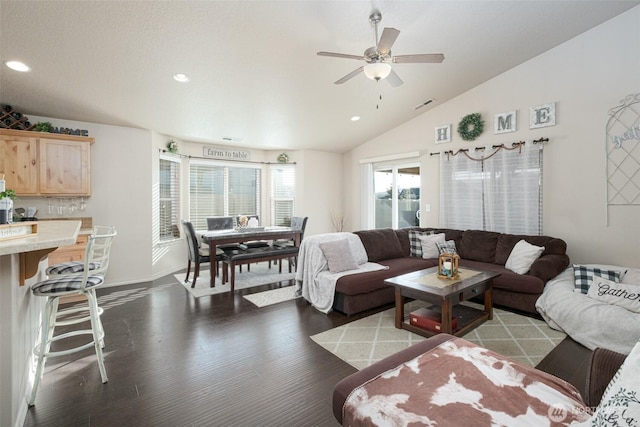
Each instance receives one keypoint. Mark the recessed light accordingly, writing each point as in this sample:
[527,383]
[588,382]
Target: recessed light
[355,118]
[17,66]
[181,77]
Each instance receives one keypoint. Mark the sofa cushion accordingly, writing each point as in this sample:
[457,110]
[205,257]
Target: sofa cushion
[585,275]
[415,245]
[476,245]
[508,280]
[523,256]
[610,292]
[447,247]
[355,284]
[381,244]
[449,234]
[429,245]
[403,238]
[338,255]
[506,242]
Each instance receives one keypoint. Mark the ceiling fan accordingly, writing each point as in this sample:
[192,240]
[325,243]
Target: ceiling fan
[379,56]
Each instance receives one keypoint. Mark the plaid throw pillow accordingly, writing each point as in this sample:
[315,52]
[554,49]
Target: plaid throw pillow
[584,276]
[448,247]
[414,241]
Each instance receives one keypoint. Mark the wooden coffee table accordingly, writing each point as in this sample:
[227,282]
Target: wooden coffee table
[446,295]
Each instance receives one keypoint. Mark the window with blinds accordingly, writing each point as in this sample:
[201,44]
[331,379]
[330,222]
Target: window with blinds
[500,193]
[222,190]
[283,194]
[169,199]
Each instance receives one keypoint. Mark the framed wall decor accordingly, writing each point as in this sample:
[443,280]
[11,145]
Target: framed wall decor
[443,134]
[504,122]
[542,116]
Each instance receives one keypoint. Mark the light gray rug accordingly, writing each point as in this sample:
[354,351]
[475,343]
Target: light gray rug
[365,341]
[260,274]
[273,296]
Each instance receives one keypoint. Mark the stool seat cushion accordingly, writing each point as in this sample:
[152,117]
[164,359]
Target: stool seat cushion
[70,267]
[65,284]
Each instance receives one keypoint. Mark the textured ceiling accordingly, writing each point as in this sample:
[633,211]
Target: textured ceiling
[254,70]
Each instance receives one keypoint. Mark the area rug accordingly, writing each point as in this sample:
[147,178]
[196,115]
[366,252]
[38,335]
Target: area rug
[260,274]
[273,296]
[367,340]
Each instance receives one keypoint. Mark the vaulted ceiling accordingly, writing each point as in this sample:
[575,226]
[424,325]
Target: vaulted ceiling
[254,73]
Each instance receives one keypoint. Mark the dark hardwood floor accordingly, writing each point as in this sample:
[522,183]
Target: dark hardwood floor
[174,360]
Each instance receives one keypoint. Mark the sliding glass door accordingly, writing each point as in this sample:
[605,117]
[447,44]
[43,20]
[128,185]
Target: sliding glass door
[396,195]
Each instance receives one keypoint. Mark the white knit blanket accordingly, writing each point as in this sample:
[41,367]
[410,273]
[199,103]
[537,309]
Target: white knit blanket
[315,283]
[590,322]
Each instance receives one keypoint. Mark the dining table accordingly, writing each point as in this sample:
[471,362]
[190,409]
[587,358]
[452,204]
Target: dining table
[214,238]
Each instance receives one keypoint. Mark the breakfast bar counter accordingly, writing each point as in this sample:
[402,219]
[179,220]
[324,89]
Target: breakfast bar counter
[22,263]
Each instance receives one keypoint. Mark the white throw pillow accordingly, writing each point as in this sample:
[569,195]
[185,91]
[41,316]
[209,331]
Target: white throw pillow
[624,295]
[522,256]
[620,404]
[429,247]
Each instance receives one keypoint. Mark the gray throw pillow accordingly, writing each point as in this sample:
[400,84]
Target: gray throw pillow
[338,255]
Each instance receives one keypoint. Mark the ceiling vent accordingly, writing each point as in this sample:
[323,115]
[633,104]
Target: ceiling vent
[427,102]
[231,139]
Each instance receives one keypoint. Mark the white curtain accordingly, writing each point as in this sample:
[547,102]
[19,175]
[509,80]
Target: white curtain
[513,191]
[460,192]
[501,193]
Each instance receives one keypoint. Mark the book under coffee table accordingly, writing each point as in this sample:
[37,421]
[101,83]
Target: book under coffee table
[445,295]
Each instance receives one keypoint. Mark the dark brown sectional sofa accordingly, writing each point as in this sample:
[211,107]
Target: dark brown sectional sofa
[484,250]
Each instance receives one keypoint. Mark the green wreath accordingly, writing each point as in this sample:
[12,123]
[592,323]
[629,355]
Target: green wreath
[475,122]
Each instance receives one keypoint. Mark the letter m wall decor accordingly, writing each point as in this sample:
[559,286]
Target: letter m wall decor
[623,153]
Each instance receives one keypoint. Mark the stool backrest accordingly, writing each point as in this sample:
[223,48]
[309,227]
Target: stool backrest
[98,252]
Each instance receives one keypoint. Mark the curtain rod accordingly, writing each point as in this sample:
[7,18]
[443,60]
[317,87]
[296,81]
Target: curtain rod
[513,144]
[163,150]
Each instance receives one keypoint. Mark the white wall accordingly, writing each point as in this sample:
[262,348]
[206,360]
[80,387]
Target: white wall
[121,182]
[319,190]
[585,77]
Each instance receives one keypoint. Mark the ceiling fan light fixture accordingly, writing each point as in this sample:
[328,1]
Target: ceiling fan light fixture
[377,70]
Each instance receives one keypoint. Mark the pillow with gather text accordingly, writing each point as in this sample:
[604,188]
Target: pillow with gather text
[338,255]
[429,247]
[522,256]
[414,242]
[626,296]
[584,276]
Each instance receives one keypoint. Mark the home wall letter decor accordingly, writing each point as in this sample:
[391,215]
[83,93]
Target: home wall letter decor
[504,122]
[623,152]
[443,134]
[542,116]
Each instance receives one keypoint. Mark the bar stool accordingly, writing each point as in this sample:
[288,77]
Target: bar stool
[71,267]
[84,283]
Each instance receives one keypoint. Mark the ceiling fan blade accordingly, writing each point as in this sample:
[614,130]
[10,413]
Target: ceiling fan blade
[349,76]
[341,55]
[419,58]
[387,39]
[393,79]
